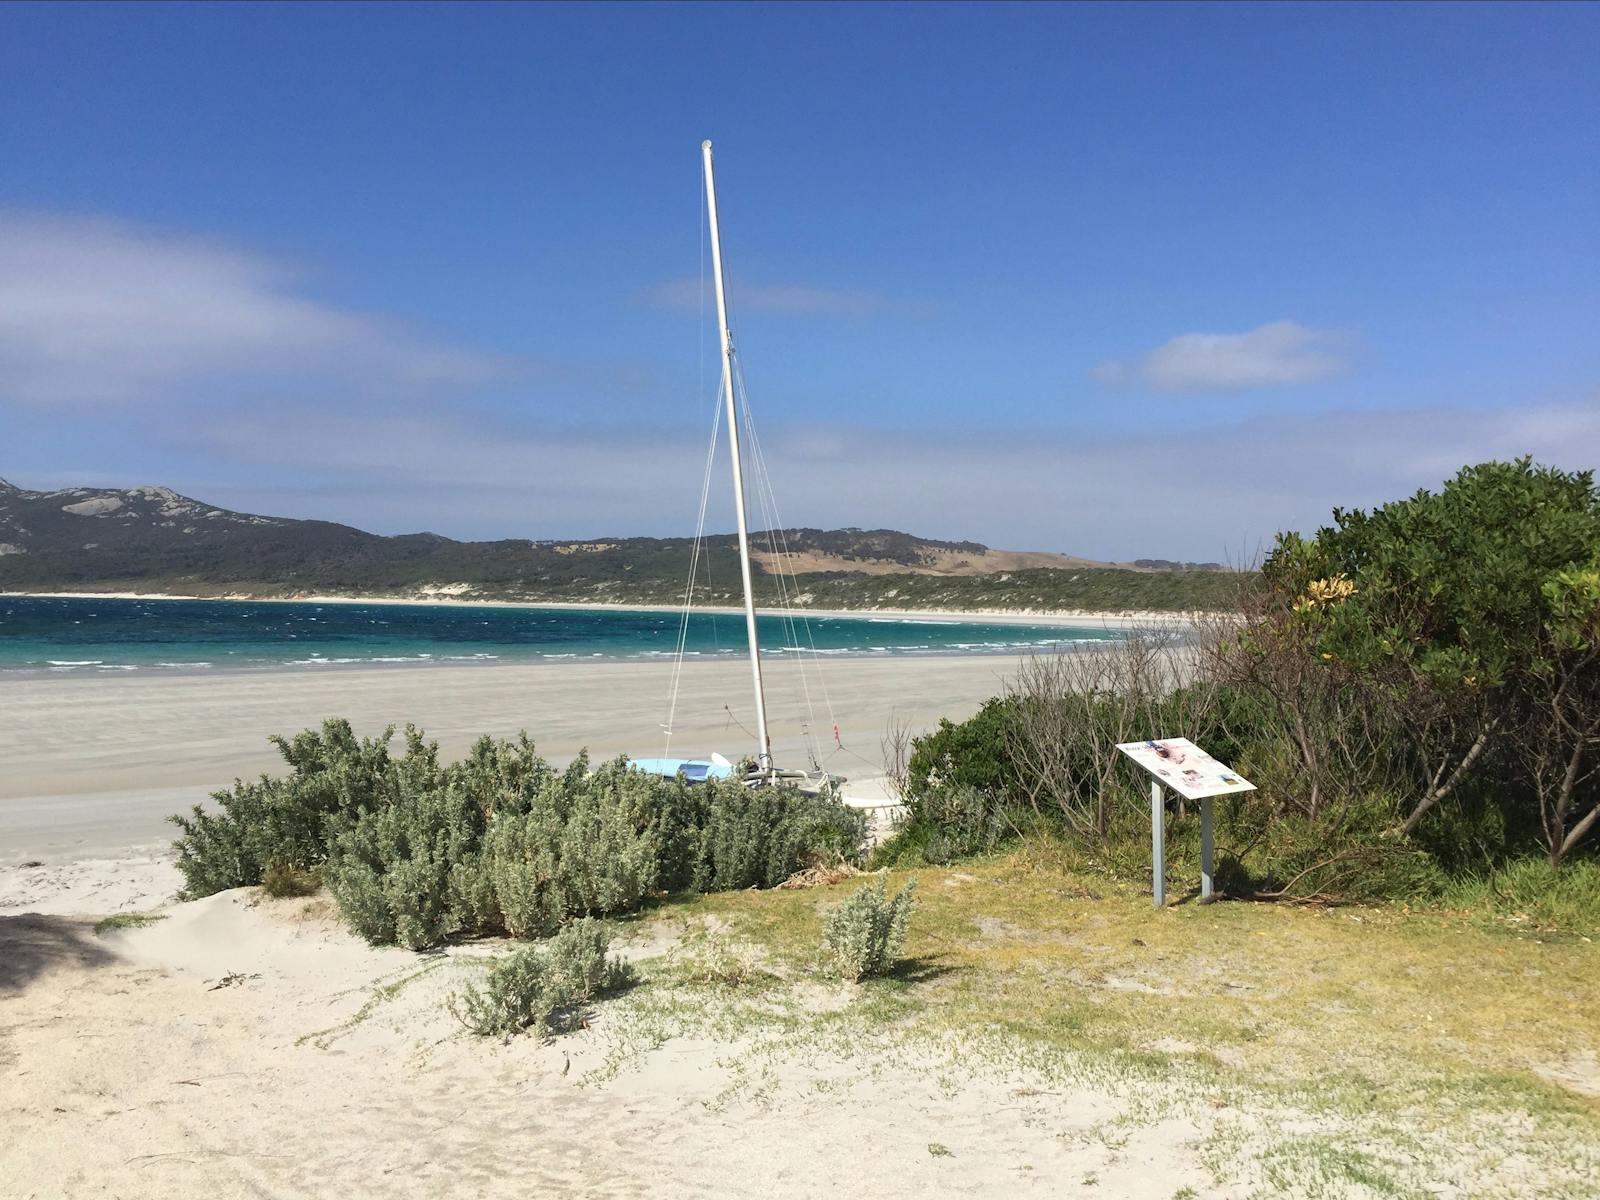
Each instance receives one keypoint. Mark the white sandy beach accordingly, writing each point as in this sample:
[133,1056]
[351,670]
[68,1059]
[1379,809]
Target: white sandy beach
[252,1048]
[95,765]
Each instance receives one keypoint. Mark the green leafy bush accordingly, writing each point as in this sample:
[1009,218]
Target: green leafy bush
[970,754]
[864,935]
[501,843]
[1348,852]
[1473,615]
[391,869]
[951,822]
[524,851]
[545,986]
[578,844]
[967,821]
[290,820]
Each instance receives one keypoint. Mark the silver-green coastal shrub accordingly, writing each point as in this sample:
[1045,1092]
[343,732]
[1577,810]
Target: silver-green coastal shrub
[290,820]
[546,986]
[864,935]
[415,851]
[587,844]
[391,870]
[759,837]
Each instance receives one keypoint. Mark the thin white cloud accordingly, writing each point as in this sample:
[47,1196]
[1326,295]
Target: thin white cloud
[792,299]
[1228,488]
[95,310]
[1278,354]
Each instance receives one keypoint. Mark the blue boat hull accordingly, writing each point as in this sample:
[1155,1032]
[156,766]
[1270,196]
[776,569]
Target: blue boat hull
[695,770]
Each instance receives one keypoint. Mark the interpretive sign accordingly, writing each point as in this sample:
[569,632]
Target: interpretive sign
[1188,770]
[1185,768]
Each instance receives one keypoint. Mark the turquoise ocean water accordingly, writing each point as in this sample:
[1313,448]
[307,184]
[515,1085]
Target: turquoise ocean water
[95,636]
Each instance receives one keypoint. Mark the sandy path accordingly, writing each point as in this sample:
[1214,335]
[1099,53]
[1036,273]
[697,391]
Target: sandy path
[92,766]
[127,1071]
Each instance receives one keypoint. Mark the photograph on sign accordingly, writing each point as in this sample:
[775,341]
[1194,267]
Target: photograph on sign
[1185,768]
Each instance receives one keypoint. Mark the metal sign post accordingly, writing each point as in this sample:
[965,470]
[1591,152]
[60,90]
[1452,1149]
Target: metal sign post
[1179,764]
[1158,843]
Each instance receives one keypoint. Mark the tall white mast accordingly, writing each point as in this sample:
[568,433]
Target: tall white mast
[764,744]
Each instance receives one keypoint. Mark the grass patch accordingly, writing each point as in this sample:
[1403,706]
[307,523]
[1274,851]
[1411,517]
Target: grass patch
[1530,897]
[282,881]
[1374,1047]
[132,920]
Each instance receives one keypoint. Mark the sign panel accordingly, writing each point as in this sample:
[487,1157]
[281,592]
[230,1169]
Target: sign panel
[1185,768]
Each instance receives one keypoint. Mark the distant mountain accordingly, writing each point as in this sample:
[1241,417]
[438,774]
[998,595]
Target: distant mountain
[152,539]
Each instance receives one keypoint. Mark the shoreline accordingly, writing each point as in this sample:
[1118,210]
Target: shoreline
[1078,618]
[330,666]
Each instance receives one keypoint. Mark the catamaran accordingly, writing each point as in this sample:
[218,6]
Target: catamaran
[759,769]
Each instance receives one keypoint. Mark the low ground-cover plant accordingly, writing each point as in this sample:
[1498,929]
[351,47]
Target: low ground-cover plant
[864,935]
[415,851]
[281,881]
[725,963]
[546,986]
[127,920]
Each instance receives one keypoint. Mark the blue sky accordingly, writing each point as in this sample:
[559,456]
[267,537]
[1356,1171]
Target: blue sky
[1119,281]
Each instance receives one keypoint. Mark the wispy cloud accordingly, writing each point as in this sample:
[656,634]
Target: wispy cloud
[793,299]
[1278,354]
[1234,486]
[94,310]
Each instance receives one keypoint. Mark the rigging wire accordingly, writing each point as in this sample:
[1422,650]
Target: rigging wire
[778,541]
[766,500]
[695,555]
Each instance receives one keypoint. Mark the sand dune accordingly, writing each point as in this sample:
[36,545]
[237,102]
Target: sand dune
[248,1048]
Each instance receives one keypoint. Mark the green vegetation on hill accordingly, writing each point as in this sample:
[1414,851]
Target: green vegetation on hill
[154,540]
[1089,589]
